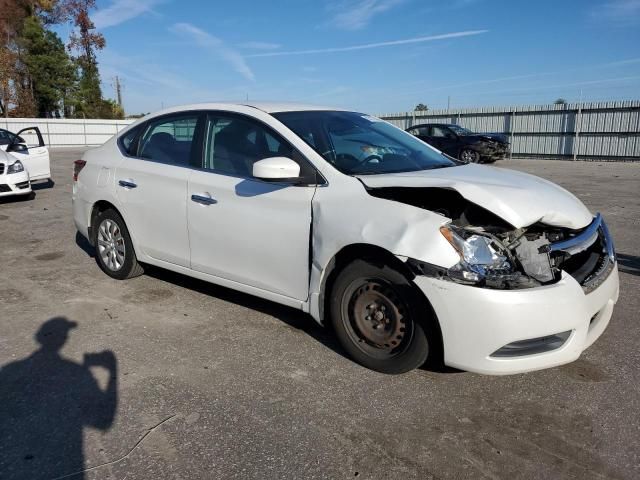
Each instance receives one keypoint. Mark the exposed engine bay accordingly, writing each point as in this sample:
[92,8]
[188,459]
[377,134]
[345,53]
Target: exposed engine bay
[494,254]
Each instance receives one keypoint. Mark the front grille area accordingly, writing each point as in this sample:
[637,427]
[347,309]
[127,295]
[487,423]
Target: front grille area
[587,256]
[4,188]
[2,167]
[497,149]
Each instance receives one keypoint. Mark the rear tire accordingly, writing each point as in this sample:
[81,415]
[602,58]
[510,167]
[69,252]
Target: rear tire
[377,316]
[114,250]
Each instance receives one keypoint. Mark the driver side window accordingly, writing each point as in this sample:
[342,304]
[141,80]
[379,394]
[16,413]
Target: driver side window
[440,132]
[233,143]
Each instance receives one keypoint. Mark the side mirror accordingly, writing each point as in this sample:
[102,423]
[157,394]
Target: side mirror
[17,147]
[276,168]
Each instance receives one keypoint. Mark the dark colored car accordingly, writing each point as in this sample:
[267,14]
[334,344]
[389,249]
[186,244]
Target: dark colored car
[461,143]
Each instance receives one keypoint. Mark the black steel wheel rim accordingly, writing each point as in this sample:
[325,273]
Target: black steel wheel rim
[376,318]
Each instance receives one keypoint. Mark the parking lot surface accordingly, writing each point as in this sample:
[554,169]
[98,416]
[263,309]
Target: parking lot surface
[204,382]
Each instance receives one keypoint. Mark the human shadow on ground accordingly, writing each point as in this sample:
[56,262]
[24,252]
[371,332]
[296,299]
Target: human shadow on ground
[46,401]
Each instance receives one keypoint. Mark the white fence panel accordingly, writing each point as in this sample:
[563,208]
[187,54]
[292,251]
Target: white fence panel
[68,132]
[597,130]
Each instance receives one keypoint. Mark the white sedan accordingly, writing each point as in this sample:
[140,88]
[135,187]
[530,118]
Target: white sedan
[21,162]
[408,254]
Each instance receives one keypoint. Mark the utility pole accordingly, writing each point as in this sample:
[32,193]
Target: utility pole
[118,88]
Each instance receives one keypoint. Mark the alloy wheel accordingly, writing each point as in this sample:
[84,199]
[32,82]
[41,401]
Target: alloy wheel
[470,156]
[111,245]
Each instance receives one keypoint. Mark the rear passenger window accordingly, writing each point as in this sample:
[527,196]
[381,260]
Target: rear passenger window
[169,140]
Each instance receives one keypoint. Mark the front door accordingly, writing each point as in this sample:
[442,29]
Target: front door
[243,229]
[445,140]
[36,156]
[151,185]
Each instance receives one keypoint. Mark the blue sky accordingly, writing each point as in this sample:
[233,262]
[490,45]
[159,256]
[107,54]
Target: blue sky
[370,55]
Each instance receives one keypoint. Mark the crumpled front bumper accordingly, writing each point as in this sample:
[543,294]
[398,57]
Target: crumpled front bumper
[478,322]
[494,151]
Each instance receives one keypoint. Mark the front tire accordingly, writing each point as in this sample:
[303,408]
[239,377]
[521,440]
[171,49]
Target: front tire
[114,250]
[376,314]
[469,156]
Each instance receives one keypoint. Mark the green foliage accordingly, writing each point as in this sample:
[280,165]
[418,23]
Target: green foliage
[37,74]
[421,107]
[52,72]
[560,101]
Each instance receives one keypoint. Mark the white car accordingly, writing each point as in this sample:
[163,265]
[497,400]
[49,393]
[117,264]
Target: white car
[409,255]
[22,163]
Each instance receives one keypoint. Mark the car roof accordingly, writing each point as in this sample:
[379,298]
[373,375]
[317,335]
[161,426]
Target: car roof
[432,125]
[268,107]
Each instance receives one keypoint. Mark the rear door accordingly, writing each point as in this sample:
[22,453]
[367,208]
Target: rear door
[151,185]
[244,229]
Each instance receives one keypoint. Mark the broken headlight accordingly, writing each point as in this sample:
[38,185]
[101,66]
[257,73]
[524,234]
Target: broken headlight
[484,260]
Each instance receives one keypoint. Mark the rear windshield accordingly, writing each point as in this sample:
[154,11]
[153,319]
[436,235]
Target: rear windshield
[357,144]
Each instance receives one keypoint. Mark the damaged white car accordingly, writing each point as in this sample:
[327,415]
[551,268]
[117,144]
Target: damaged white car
[22,163]
[407,253]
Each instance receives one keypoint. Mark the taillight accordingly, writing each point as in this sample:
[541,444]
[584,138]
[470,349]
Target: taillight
[78,165]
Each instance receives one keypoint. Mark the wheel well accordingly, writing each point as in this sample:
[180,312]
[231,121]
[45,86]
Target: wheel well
[379,256]
[98,207]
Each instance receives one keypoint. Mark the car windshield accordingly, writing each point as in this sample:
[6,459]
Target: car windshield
[357,144]
[460,130]
[6,137]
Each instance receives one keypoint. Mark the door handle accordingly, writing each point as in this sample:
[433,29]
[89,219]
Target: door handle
[203,199]
[127,183]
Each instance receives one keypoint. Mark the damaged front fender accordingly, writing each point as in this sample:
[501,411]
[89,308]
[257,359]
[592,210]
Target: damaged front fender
[347,215]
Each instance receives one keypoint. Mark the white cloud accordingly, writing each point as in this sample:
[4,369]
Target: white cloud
[122,10]
[623,12]
[216,46]
[353,15]
[260,45]
[367,46]
[622,63]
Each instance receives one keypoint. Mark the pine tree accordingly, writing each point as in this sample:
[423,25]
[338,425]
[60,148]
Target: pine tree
[51,70]
[86,41]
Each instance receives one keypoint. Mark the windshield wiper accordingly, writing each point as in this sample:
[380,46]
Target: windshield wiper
[436,167]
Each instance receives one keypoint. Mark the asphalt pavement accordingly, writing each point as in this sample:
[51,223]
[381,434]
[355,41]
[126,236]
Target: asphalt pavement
[167,377]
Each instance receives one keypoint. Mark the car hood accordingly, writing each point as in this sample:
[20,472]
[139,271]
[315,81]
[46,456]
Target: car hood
[496,137]
[5,157]
[519,198]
